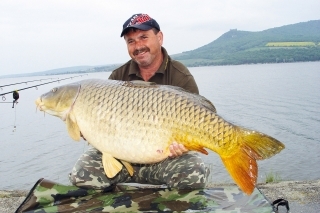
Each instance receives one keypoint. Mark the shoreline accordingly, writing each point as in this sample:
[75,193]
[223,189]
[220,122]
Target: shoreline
[303,196]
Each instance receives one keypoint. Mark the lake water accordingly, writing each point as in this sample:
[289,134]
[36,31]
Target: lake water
[281,100]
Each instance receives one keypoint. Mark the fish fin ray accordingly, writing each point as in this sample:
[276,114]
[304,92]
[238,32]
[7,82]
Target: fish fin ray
[72,127]
[196,147]
[139,83]
[259,145]
[242,164]
[243,169]
[111,165]
[128,167]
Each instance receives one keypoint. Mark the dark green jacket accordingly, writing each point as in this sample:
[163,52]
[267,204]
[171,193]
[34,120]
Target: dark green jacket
[171,72]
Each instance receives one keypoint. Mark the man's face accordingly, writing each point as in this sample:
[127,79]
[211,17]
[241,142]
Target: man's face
[144,46]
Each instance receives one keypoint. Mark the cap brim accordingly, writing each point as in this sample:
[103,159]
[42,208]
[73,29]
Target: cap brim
[137,26]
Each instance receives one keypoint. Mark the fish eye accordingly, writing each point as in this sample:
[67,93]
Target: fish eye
[54,89]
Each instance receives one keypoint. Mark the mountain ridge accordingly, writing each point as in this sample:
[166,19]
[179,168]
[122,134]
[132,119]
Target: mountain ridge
[245,47]
[289,43]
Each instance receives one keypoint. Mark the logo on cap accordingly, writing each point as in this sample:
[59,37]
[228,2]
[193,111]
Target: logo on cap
[139,19]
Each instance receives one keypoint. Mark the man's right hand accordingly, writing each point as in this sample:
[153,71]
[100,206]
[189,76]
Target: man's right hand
[177,150]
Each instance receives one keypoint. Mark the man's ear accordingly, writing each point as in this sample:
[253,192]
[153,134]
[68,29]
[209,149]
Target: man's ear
[160,37]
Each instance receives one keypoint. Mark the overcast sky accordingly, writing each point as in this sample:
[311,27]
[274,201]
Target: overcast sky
[39,35]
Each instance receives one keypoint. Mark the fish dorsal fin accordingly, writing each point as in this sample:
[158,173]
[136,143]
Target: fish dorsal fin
[111,166]
[146,84]
[139,83]
[142,83]
[128,167]
[72,127]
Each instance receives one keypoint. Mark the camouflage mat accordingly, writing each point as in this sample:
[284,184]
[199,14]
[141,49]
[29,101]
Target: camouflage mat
[47,196]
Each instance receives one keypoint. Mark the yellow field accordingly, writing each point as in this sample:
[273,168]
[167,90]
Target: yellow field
[290,44]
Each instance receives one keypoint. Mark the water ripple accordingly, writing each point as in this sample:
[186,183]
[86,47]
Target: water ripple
[277,100]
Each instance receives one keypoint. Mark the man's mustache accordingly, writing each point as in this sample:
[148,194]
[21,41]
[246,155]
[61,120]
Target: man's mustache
[144,49]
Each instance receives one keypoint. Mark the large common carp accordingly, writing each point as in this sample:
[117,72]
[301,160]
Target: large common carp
[135,122]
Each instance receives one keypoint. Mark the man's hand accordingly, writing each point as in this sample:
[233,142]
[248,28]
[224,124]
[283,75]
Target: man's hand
[177,149]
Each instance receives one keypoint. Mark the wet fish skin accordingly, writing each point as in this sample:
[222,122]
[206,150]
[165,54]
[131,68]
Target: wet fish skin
[136,122]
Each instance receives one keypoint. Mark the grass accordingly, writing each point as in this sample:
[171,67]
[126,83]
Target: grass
[188,62]
[290,44]
[273,177]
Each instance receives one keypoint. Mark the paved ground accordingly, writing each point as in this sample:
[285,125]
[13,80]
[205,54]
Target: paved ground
[303,196]
[10,200]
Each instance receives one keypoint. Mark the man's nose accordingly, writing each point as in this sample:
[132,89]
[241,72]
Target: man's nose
[138,44]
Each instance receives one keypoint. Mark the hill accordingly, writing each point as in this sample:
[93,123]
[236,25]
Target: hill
[67,70]
[290,43]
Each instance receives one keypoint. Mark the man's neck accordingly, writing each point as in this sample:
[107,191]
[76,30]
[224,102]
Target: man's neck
[149,71]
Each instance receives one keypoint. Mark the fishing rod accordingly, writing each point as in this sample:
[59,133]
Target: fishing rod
[1,86]
[16,93]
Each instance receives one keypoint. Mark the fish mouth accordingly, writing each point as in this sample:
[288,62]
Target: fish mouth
[39,104]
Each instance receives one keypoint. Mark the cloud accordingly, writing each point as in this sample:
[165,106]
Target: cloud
[39,35]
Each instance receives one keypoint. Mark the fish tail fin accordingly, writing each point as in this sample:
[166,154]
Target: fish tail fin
[242,163]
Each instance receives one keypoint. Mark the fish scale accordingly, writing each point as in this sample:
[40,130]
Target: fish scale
[135,122]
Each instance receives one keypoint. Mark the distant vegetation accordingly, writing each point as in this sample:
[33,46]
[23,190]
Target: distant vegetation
[290,43]
[82,69]
[68,70]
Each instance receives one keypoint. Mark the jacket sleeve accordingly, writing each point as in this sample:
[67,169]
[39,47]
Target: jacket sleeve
[190,84]
[112,76]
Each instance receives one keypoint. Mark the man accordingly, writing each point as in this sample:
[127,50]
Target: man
[150,62]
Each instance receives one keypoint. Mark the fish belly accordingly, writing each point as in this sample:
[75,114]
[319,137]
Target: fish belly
[134,150]
[142,145]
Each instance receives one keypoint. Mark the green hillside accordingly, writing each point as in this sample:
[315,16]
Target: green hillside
[290,43]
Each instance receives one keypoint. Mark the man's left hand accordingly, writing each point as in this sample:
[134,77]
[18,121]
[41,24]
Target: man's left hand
[177,149]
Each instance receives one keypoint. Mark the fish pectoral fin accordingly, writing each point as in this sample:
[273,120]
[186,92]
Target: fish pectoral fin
[111,165]
[128,167]
[72,127]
